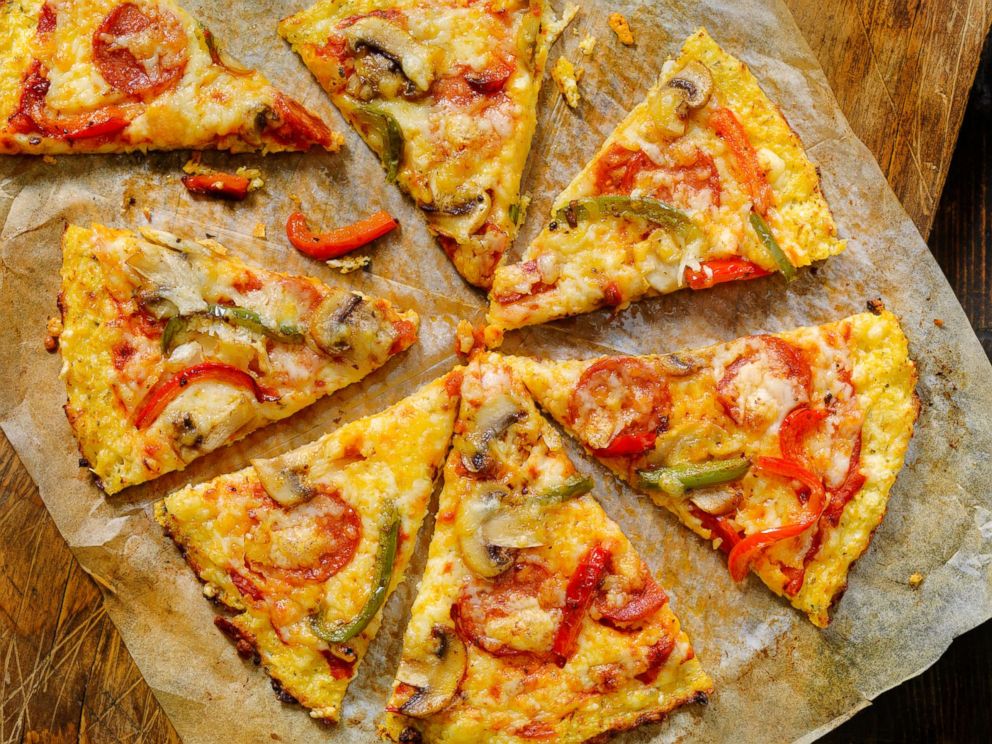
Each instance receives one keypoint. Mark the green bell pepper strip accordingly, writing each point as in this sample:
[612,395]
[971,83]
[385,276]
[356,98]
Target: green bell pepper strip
[385,559]
[772,246]
[677,479]
[652,210]
[387,130]
[240,316]
[574,486]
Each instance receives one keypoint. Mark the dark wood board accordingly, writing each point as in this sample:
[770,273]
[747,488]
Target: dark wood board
[902,71]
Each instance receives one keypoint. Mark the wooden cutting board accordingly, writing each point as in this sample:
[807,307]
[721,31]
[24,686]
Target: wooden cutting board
[901,70]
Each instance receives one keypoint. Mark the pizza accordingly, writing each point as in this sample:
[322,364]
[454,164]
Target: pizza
[780,448]
[171,348]
[703,183]
[446,94]
[306,547]
[112,76]
[536,619]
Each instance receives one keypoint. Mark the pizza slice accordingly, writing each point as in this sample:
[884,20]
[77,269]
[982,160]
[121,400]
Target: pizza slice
[703,182]
[306,547]
[536,619]
[781,449]
[112,76]
[446,94]
[172,349]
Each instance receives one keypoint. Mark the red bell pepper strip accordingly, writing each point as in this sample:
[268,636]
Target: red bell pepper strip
[796,426]
[578,597]
[224,185]
[337,242]
[720,270]
[729,129]
[628,444]
[109,124]
[165,392]
[744,552]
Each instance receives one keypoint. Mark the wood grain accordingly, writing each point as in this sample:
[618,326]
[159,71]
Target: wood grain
[902,71]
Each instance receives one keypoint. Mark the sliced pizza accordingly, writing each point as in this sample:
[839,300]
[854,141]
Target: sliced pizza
[781,449]
[703,182]
[306,547]
[446,94]
[172,349]
[112,76]
[535,618]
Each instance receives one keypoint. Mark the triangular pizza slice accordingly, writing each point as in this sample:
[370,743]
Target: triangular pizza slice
[703,182]
[172,349]
[446,94]
[781,449]
[306,547]
[112,76]
[536,619]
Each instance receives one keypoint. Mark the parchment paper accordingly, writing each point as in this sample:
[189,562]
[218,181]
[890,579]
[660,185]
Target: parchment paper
[778,678]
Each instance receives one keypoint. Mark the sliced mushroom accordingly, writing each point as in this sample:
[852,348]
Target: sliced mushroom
[515,527]
[461,219]
[389,40]
[284,478]
[696,81]
[333,322]
[493,419]
[480,555]
[171,274]
[436,677]
[678,365]
[717,500]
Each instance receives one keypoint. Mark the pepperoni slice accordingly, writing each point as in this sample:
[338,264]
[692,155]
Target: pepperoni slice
[624,399]
[680,180]
[47,19]
[292,125]
[489,614]
[656,657]
[627,601]
[772,372]
[140,51]
[305,544]
[616,171]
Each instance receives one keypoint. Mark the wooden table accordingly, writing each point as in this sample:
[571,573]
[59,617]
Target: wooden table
[902,70]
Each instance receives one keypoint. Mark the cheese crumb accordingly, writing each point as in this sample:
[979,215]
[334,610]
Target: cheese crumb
[915,580]
[48,160]
[621,28]
[566,77]
[938,322]
[258,231]
[556,27]
[348,264]
[587,45]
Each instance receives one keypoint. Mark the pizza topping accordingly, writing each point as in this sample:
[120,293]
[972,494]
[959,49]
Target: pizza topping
[341,240]
[221,58]
[168,390]
[720,270]
[717,500]
[772,246]
[766,382]
[677,479]
[480,554]
[384,561]
[389,40]
[597,207]
[739,561]
[434,678]
[796,426]
[175,283]
[625,601]
[574,486]
[515,614]
[289,124]
[460,220]
[493,419]
[578,598]
[47,19]
[619,405]
[305,544]
[696,81]
[286,333]
[284,479]
[223,185]
[656,657]
[140,51]
[728,127]
[385,136]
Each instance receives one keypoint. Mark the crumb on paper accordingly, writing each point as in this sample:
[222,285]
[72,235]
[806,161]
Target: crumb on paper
[938,322]
[566,77]
[558,25]
[470,339]
[295,201]
[213,246]
[348,264]
[258,231]
[147,213]
[254,176]
[587,45]
[876,306]
[915,580]
[48,160]
[53,330]
[192,166]
[621,28]
[464,338]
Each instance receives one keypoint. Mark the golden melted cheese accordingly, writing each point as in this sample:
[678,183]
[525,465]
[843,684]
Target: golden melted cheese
[457,145]
[640,262]
[113,357]
[390,458]
[860,371]
[210,106]
[501,701]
